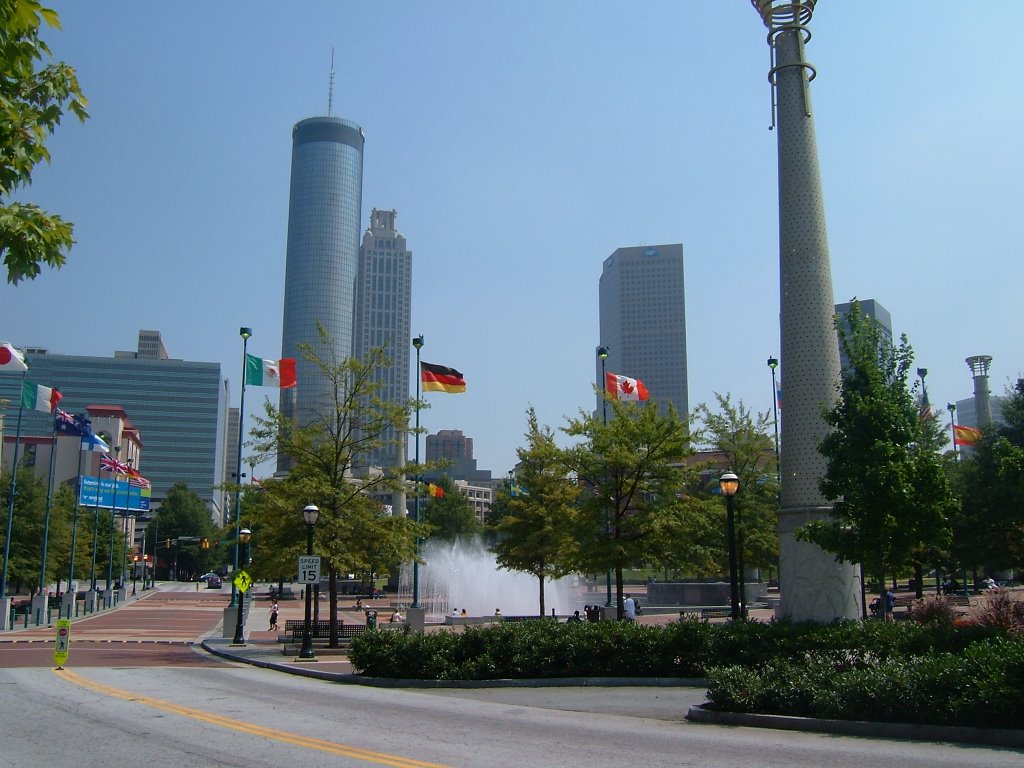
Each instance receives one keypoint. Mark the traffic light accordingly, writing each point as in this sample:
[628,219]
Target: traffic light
[204,543]
[167,543]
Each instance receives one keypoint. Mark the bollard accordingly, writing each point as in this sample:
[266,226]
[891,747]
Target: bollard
[26,619]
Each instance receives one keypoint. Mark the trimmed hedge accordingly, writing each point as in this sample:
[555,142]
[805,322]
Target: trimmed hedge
[982,686]
[545,648]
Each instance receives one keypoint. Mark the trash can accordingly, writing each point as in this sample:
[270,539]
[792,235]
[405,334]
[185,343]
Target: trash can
[371,619]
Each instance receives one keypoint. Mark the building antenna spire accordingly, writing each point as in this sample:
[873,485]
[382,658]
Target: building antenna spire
[330,87]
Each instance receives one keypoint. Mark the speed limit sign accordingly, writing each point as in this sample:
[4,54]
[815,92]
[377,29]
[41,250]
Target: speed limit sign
[309,569]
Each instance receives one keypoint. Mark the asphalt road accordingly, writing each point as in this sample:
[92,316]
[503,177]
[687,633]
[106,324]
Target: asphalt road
[194,710]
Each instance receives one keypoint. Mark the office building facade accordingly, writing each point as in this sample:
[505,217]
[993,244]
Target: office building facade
[869,308]
[643,321]
[322,256]
[177,408]
[383,317]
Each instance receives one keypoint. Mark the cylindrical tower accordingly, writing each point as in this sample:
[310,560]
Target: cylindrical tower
[323,254]
[812,584]
[982,405]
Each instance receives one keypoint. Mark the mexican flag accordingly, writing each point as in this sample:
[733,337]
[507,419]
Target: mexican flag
[270,373]
[39,398]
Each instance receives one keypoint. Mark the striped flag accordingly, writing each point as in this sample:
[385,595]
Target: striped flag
[139,481]
[39,398]
[435,490]
[441,378]
[965,435]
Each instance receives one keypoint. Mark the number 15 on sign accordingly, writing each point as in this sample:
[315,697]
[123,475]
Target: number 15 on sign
[309,569]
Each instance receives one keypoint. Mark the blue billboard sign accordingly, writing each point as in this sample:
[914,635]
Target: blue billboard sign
[113,494]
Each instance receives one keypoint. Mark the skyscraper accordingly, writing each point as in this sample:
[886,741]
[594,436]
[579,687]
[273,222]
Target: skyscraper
[870,309]
[323,255]
[384,315]
[643,320]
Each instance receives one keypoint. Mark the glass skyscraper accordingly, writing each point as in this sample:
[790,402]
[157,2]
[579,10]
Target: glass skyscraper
[643,321]
[322,257]
[383,315]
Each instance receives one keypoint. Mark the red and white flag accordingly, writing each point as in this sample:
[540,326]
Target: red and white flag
[11,359]
[625,388]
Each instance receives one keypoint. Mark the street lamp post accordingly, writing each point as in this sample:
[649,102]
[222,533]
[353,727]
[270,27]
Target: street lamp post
[602,355]
[417,342]
[729,484]
[243,536]
[310,514]
[245,333]
[773,363]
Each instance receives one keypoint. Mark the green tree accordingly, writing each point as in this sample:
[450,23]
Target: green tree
[33,99]
[535,535]
[328,462]
[24,554]
[632,476]
[990,527]
[450,516]
[891,496]
[741,439]
[184,515]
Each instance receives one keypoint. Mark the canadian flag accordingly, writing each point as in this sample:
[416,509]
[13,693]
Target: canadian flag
[624,388]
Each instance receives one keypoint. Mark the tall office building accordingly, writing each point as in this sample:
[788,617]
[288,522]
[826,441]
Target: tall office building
[643,321]
[322,257]
[384,317]
[869,308]
[178,408]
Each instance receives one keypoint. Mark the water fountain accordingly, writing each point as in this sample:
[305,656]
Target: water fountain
[465,574]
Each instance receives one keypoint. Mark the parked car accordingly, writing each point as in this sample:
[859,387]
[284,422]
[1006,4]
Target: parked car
[214,583]
[208,576]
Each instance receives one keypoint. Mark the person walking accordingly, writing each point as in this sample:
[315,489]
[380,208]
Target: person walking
[273,617]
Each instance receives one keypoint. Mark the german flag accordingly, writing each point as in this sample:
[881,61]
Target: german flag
[440,378]
[965,435]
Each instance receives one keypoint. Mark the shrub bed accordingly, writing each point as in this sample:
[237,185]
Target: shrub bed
[983,686]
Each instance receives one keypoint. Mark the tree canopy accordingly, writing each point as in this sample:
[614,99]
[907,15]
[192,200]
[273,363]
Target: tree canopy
[891,496]
[35,93]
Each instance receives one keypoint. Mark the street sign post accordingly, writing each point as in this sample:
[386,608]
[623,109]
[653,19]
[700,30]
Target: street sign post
[62,642]
[243,581]
[309,569]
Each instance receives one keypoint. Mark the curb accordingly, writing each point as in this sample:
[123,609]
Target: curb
[993,737]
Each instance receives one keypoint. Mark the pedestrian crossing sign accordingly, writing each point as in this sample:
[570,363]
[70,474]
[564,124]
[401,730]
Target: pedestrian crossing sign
[243,581]
[62,642]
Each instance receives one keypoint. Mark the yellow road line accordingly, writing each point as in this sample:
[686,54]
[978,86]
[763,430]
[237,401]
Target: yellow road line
[249,728]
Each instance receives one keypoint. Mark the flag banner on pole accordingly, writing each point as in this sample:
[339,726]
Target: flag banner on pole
[138,481]
[11,359]
[94,443]
[39,398]
[68,424]
[925,412]
[965,435]
[270,373]
[435,490]
[107,464]
[625,388]
[441,378]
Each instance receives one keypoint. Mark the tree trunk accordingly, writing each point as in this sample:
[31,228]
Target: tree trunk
[540,579]
[618,593]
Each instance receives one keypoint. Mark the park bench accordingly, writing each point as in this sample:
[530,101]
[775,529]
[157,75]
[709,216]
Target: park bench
[716,613]
[295,630]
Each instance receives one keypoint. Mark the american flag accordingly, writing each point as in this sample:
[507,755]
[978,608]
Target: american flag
[138,481]
[108,464]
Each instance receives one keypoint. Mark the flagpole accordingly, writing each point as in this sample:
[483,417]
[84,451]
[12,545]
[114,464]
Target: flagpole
[10,498]
[113,511]
[417,342]
[951,407]
[74,524]
[96,530]
[245,333]
[49,502]
[602,387]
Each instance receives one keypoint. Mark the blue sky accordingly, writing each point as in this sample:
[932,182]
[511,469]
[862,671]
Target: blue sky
[521,143]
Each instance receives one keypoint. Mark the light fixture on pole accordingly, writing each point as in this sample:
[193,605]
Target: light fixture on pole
[310,514]
[951,407]
[602,387]
[773,363]
[243,537]
[729,484]
[417,342]
[245,333]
